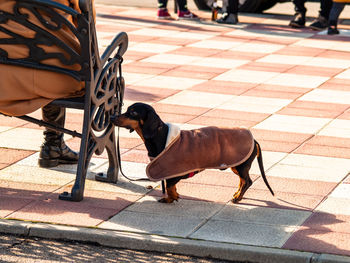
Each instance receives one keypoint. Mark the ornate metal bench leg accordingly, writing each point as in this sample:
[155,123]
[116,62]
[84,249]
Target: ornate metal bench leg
[113,168]
[86,149]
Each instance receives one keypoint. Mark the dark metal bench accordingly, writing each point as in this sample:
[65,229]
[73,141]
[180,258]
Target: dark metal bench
[104,84]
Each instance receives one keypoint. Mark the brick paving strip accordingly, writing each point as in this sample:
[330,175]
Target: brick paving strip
[291,87]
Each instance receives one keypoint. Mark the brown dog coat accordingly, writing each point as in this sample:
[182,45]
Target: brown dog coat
[205,148]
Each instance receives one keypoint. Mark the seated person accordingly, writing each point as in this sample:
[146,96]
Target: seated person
[24,90]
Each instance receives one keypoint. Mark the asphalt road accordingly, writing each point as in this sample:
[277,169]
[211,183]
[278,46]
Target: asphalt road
[21,250]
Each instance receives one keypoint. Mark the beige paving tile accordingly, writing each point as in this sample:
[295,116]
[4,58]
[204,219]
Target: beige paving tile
[215,44]
[326,95]
[5,128]
[337,128]
[269,33]
[171,59]
[333,205]
[255,104]
[178,83]
[251,76]
[284,59]
[269,160]
[191,35]
[35,175]
[156,32]
[197,99]
[219,62]
[344,75]
[341,191]
[289,123]
[297,80]
[23,138]
[257,47]
[325,44]
[151,47]
[132,78]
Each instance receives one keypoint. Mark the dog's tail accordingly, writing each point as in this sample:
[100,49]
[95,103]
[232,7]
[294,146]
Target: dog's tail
[261,166]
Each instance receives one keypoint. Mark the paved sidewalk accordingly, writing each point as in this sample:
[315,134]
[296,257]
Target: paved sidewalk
[291,87]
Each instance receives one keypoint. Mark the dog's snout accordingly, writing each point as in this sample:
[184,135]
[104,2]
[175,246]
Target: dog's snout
[115,119]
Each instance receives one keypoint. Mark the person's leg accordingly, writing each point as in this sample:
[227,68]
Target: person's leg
[231,17]
[298,20]
[183,12]
[54,151]
[162,3]
[321,22]
[326,6]
[337,8]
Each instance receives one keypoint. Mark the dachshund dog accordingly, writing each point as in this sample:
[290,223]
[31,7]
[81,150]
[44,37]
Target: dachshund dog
[143,119]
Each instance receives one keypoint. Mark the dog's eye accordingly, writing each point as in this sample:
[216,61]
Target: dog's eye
[133,114]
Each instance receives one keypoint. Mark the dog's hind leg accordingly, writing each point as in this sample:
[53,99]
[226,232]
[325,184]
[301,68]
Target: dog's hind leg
[245,182]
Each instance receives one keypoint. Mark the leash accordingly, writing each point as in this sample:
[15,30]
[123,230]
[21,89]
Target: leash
[121,170]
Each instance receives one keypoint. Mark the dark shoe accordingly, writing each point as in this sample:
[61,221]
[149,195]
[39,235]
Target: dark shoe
[226,18]
[319,23]
[298,21]
[54,151]
[332,30]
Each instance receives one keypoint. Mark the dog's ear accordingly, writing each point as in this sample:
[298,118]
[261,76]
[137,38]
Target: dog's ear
[150,125]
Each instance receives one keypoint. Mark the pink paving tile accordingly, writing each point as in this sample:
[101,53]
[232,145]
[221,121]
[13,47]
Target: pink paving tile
[314,71]
[175,109]
[139,67]
[318,106]
[236,115]
[147,94]
[9,205]
[278,146]
[11,121]
[139,38]
[173,41]
[170,117]
[345,115]
[136,55]
[228,54]
[224,87]
[179,72]
[203,69]
[280,88]
[325,241]
[269,67]
[296,186]
[195,51]
[279,141]
[25,190]
[335,54]
[308,112]
[211,193]
[336,84]
[114,28]
[221,122]
[325,221]
[261,92]
[321,150]
[300,51]
[278,136]
[3,165]
[94,209]
[139,156]
[217,178]
[10,156]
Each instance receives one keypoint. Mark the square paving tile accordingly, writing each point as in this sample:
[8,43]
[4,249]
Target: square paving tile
[203,99]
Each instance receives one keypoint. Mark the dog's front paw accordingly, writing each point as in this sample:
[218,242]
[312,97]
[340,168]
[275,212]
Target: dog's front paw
[166,200]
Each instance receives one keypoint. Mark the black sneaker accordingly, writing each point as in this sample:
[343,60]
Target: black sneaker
[319,23]
[298,21]
[230,19]
[332,30]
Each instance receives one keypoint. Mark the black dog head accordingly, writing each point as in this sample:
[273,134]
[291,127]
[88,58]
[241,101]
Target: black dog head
[140,117]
